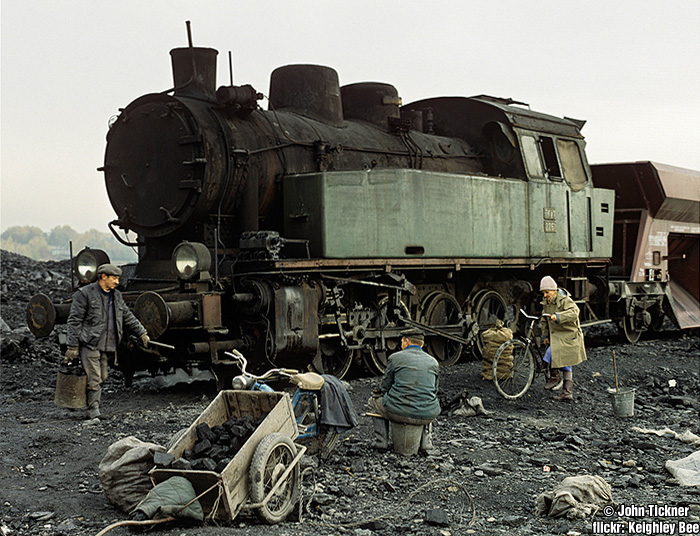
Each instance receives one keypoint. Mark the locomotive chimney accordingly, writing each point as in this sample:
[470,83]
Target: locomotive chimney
[309,90]
[194,72]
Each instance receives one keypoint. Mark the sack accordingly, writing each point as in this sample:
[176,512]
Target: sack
[576,497]
[493,339]
[124,471]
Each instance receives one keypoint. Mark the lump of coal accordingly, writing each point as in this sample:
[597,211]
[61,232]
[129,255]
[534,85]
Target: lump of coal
[181,464]
[163,459]
[205,433]
[201,448]
[204,464]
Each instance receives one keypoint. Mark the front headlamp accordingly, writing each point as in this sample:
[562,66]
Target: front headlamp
[86,263]
[191,259]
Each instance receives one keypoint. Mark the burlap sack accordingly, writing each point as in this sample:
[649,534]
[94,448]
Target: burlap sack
[493,339]
[124,471]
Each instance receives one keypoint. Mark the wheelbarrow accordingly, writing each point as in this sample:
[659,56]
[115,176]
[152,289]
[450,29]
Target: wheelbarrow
[263,475]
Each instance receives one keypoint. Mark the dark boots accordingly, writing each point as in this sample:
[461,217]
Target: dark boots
[555,381]
[566,394]
[93,403]
[381,433]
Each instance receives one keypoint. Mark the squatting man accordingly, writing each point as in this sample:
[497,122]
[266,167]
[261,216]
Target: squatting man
[96,323]
[408,392]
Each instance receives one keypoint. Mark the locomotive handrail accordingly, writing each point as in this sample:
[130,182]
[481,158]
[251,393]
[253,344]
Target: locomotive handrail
[119,238]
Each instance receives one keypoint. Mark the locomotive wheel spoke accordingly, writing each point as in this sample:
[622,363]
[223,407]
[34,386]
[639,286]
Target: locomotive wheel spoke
[442,310]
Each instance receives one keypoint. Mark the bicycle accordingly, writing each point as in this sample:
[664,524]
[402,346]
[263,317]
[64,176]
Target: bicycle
[517,361]
[305,402]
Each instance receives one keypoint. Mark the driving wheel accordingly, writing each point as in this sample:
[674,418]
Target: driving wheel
[333,358]
[442,309]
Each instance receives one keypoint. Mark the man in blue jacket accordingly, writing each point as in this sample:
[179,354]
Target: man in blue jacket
[96,322]
[408,392]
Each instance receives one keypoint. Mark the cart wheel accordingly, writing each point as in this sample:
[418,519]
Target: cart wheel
[273,456]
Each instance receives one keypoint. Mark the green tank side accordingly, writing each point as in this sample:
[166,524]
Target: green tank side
[412,214]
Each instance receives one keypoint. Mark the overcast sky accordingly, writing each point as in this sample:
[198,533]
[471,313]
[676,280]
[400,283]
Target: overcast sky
[630,68]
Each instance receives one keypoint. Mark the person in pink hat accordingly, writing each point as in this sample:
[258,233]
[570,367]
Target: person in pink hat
[561,332]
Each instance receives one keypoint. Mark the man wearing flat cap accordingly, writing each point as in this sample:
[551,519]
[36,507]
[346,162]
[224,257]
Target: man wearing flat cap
[96,323]
[408,391]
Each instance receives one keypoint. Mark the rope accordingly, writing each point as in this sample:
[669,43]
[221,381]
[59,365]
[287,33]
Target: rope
[217,501]
[130,522]
[392,511]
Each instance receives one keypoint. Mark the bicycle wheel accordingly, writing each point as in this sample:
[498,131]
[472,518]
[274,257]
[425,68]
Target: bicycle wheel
[272,457]
[513,369]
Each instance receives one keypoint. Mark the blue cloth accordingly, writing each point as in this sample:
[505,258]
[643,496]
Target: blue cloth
[548,358]
[337,410]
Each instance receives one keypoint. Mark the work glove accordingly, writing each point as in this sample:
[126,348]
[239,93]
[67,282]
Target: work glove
[145,339]
[71,354]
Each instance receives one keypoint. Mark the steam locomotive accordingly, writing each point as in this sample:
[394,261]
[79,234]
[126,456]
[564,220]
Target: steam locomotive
[311,233]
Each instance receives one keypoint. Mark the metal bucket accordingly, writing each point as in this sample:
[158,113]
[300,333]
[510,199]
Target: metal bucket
[71,383]
[406,438]
[622,401]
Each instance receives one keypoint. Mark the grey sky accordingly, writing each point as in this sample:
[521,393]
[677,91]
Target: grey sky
[630,68]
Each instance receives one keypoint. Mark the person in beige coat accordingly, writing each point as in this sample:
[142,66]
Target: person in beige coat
[561,331]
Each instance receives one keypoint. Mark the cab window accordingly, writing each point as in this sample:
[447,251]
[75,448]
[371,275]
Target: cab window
[550,157]
[574,172]
[532,156]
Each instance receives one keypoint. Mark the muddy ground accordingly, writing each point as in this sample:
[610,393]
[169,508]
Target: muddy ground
[485,478]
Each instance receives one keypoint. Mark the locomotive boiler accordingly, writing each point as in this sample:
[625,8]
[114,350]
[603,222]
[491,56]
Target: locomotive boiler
[310,233]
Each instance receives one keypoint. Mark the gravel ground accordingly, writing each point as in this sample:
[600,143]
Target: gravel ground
[484,480]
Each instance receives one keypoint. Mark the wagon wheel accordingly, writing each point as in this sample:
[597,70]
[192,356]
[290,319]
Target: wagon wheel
[334,359]
[489,307]
[274,454]
[442,309]
[627,330]
[377,359]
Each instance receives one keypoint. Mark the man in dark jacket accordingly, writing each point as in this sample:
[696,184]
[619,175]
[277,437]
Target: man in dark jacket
[95,328]
[408,392]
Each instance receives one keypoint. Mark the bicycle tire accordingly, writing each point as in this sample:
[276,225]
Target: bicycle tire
[273,455]
[513,371]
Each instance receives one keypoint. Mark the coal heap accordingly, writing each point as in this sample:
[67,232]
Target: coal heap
[22,278]
[215,447]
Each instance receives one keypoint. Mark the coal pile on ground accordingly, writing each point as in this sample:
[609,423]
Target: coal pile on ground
[484,480]
[22,278]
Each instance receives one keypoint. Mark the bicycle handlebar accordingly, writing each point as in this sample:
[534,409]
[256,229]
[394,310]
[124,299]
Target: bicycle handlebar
[532,317]
[243,363]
